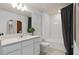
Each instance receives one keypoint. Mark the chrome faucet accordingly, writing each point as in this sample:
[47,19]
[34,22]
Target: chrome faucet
[20,36]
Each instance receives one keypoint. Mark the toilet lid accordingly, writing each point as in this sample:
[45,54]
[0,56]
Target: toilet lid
[45,43]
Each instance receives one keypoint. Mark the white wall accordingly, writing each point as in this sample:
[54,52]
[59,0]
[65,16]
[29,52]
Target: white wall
[52,30]
[37,22]
[52,27]
[5,16]
[56,28]
[77,25]
[45,26]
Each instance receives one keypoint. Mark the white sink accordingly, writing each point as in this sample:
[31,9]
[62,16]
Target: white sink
[9,41]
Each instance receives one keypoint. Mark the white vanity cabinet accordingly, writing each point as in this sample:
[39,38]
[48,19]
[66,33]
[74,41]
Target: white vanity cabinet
[27,47]
[31,47]
[24,47]
[0,48]
[14,49]
[37,46]
[27,50]
[16,52]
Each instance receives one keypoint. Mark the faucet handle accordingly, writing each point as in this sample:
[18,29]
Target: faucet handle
[20,36]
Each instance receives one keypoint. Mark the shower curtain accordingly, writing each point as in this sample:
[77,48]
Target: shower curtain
[67,28]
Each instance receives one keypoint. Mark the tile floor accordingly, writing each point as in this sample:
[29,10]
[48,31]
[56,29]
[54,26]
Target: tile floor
[55,52]
[52,51]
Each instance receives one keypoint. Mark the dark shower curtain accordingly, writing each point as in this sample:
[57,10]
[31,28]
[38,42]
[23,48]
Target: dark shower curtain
[67,28]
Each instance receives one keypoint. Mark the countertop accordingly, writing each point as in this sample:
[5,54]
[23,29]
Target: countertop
[16,39]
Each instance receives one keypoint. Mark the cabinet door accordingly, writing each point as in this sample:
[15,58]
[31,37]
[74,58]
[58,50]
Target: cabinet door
[27,50]
[17,52]
[37,46]
[10,48]
[0,50]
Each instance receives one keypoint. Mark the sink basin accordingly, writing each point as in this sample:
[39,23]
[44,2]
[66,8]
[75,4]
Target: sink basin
[9,40]
[16,39]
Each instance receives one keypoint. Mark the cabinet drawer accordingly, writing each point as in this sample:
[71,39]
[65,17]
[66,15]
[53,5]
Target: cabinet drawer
[17,52]
[11,48]
[27,42]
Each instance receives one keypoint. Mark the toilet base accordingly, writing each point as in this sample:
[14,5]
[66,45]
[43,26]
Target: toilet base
[42,53]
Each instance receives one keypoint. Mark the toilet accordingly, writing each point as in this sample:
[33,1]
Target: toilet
[44,47]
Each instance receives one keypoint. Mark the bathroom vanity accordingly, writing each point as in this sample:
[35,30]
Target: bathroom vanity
[26,45]
[13,24]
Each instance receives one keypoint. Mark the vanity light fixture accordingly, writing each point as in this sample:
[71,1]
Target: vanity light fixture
[14,5]
[24,8]
[19,6]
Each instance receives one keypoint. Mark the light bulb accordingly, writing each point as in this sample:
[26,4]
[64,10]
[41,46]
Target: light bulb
[23,8]
[19,6]
[14,5]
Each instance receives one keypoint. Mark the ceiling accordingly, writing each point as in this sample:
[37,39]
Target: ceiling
[48,7]
[43,7]
[8,7]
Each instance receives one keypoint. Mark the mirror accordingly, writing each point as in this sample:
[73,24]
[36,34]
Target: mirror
[13,21]
[10,27]
[14,26]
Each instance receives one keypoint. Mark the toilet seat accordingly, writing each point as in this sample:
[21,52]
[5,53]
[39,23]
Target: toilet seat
[44,43]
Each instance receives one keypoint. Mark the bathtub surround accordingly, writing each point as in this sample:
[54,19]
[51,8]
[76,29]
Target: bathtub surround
[52,30]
